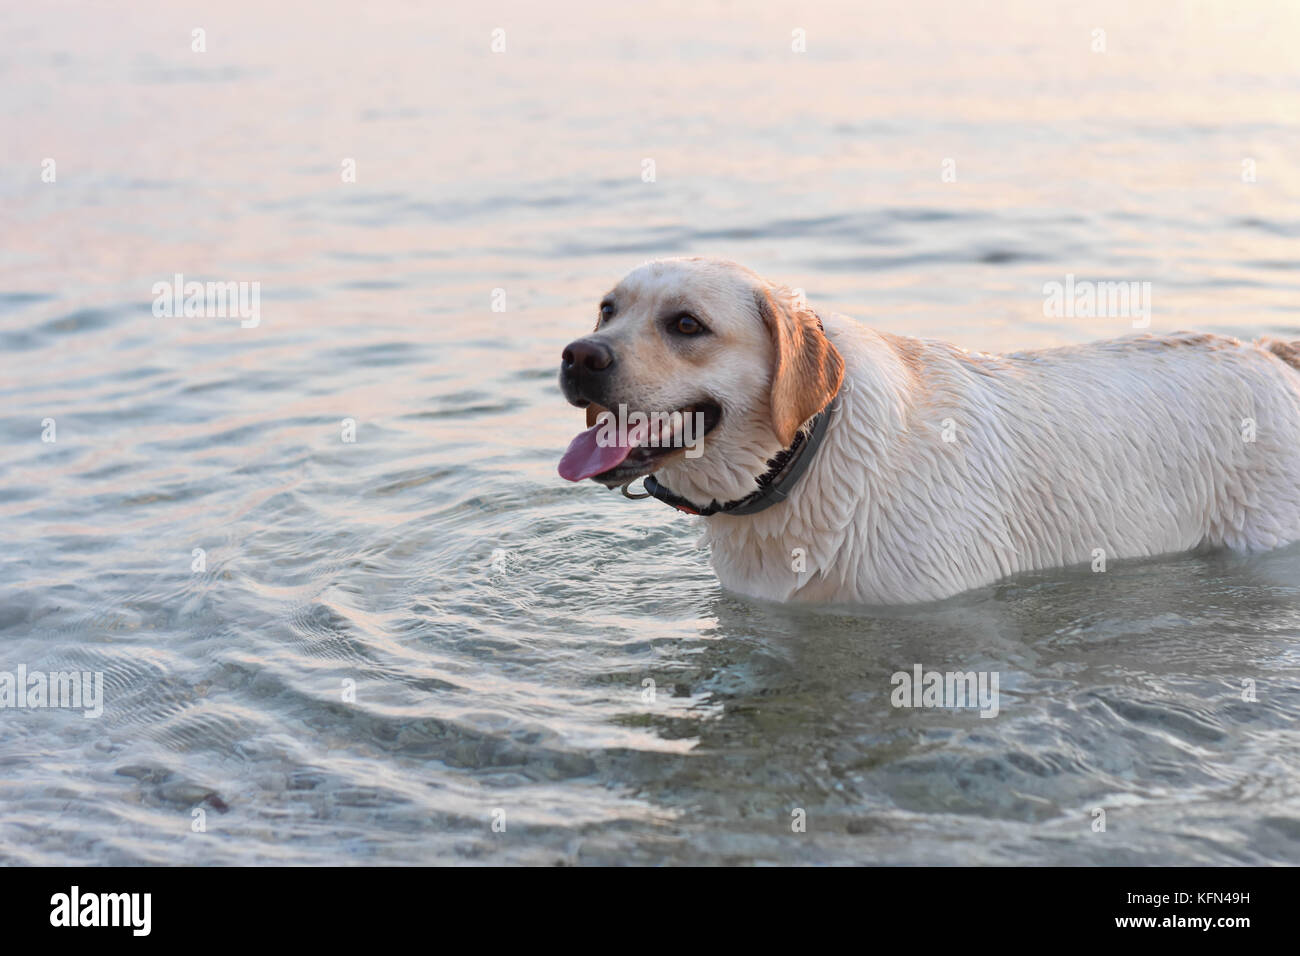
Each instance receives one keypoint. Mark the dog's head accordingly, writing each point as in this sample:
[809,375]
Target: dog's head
[744,364]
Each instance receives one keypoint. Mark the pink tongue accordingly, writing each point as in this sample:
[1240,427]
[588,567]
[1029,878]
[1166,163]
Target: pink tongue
[587,457]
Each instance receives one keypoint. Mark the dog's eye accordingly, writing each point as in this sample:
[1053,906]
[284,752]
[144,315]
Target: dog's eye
[688,325]
[606,311]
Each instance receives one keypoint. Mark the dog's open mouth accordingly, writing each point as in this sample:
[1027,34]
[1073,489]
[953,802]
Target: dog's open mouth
[614,452]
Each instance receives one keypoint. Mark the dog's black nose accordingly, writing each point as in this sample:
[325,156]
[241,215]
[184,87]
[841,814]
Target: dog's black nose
[584,371]
[587,354]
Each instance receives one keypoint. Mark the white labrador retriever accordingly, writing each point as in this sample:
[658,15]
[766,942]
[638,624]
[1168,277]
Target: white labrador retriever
[842,464]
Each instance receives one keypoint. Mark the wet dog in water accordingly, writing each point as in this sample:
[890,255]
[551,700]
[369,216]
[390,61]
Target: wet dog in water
[835,463]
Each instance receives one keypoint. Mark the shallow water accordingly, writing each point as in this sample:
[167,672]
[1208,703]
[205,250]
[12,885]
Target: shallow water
[497,623]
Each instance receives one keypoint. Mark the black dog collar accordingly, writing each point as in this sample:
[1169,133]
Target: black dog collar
[774,485]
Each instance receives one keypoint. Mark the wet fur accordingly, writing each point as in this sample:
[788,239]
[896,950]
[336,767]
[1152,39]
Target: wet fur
[1130,447]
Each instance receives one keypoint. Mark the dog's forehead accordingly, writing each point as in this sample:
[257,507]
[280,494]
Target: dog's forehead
[683,282]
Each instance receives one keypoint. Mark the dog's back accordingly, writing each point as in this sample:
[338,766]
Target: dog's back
[1288,352]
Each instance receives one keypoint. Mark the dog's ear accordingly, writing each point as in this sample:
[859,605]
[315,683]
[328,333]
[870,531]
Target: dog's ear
[806,368]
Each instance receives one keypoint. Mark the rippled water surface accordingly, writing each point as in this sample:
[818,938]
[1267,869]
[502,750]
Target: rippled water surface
[498,625]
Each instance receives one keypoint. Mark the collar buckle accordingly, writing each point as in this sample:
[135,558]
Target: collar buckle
[627,494]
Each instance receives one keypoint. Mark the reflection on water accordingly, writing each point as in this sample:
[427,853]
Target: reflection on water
[379,643]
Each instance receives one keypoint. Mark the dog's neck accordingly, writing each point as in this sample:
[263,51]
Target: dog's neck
[774,486]
[871,406]
[805,544]
[729,470]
